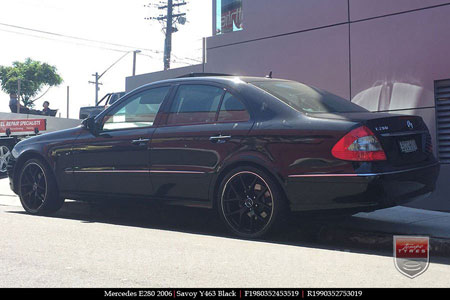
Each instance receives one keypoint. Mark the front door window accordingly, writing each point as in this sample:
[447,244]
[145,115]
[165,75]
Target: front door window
[138,111]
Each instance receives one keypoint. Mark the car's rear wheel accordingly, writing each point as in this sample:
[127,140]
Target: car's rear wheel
[38,191]
[250,203]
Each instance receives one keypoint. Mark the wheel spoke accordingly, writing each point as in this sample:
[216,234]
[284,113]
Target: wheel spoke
[240,220]
[240,210]
[32,200]
[30,176]
[243,184]
[39,197]
[261,193]
[40,184]
[34,173]
[252,221]
[28,194]
[234,190]
[259,218]
[232,200]
[263,204]
[252,185]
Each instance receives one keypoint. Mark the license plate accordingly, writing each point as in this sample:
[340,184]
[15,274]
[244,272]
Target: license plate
[408,146]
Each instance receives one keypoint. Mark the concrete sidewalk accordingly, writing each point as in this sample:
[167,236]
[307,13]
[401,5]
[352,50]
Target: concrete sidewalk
[7,196]
[402,220]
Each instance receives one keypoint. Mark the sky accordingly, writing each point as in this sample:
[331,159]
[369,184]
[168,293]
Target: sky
[81,37]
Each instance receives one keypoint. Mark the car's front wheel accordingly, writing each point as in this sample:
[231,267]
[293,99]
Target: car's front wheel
[38,191]
[250,202]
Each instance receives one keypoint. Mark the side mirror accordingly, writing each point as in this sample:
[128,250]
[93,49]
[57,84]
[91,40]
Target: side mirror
[91,125]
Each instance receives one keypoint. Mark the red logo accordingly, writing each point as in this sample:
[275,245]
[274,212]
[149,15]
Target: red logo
[411,255]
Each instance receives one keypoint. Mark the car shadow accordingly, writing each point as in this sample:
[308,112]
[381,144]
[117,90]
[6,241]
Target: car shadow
[318,233]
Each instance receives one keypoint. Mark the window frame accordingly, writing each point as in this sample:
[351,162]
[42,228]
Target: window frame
[99,118]
[167,107]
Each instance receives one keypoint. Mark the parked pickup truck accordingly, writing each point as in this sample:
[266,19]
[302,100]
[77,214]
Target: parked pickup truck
[106,101]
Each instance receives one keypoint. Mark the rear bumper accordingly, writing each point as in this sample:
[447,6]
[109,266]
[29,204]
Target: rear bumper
[360,192]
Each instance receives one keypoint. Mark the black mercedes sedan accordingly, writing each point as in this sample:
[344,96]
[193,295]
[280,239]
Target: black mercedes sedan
[253,148]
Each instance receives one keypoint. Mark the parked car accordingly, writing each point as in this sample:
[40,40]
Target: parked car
[105,102]
[252,148]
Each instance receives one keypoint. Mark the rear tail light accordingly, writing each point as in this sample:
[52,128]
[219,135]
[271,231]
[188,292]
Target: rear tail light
[360,144]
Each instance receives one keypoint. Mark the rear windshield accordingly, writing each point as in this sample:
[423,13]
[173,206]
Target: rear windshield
[307,99]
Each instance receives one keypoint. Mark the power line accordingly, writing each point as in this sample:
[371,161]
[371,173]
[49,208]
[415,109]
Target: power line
[77,38]
[63,41]
[65,36]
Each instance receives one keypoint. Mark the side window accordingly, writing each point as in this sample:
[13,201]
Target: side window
[232,110]
[138,111]
[195,104]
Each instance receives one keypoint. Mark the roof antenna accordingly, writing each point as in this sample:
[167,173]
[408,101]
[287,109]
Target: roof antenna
[270,75]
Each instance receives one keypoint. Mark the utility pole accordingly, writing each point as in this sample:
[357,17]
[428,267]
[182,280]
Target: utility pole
[97,77]
[96,88]
[67,102]
[170,20]
[134,61]
[96,84]
[168,41]
[18,95]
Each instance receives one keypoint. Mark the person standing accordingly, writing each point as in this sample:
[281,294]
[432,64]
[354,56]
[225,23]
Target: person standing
[13,102]
[13,99]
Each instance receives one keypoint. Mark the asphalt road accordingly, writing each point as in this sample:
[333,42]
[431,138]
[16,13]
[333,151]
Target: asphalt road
[154,246]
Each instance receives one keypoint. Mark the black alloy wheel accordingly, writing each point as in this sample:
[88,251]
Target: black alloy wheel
[37,189]
[249,202]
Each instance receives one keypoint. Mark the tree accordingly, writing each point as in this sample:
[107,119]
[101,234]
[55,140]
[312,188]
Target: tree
[33,75]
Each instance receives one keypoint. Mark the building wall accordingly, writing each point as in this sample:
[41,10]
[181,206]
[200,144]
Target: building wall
[292,56]
[383,54]
[266,18]
[365,9]
[395,60]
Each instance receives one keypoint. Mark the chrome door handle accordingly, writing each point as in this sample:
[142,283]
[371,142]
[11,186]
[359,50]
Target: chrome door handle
[140,141]
[219,139]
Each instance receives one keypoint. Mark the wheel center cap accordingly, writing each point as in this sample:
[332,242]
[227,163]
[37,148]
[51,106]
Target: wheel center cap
[35,186]
[248,202]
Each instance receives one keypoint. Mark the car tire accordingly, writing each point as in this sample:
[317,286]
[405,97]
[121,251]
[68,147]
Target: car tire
[37,189]
[250,203]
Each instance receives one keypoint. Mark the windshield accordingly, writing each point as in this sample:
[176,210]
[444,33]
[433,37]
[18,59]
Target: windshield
[307,99]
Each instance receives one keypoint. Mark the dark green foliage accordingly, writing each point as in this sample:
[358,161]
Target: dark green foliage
[34,76]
